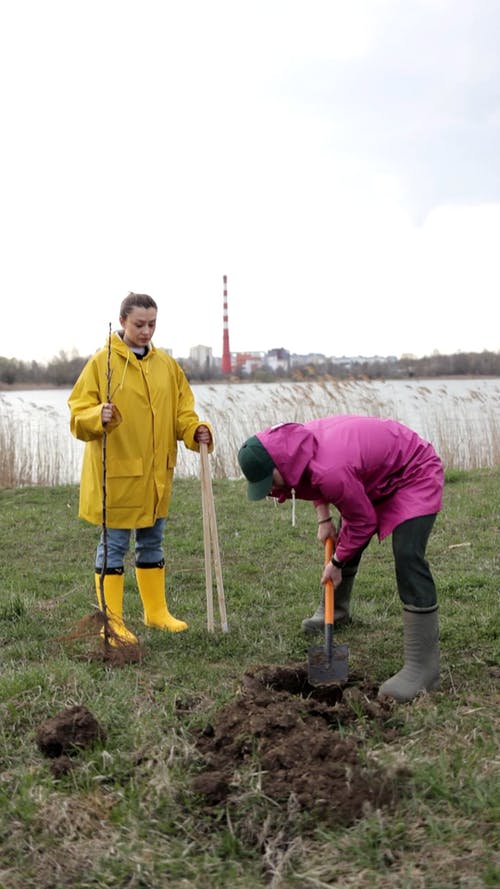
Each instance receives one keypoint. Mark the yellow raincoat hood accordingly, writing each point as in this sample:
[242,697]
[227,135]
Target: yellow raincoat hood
[156,410]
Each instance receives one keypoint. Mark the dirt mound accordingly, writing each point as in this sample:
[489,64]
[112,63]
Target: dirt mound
[62,736]
[304,742]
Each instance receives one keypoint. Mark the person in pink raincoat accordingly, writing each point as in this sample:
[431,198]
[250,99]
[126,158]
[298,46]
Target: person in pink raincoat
[383,479]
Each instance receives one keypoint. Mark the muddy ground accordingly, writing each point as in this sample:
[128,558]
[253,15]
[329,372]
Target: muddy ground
[280,737]
[302,743]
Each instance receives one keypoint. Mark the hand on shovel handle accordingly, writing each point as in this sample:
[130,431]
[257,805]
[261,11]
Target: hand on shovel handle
[329,590]
[327,665]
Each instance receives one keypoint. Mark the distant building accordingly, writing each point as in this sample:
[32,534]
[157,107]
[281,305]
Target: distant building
[313,358]
[202,361]
[200,358]
[278,359]
[247,362]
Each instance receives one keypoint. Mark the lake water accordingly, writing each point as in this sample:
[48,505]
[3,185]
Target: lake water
[461,418]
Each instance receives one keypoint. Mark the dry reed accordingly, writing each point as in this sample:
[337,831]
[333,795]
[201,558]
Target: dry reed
[36,447]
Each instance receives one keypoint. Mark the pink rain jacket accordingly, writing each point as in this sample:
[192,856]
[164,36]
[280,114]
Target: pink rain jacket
[377,473]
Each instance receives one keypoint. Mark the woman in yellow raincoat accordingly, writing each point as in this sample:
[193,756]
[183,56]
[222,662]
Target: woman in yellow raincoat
[141,397]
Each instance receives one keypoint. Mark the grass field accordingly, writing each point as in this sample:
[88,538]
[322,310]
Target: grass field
[126,813]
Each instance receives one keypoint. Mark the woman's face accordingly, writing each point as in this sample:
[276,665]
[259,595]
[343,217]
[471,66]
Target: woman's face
[280,490]
[278,480]
[138,326]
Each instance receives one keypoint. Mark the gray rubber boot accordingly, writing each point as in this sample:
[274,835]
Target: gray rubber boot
[342,613]
[421,651]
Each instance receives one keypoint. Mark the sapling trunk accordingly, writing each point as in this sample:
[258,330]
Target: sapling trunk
[104,502]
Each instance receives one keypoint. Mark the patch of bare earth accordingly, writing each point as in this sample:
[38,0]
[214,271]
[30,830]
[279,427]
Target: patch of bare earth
[304,743]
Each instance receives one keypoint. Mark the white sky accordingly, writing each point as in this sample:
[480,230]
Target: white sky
[339,160]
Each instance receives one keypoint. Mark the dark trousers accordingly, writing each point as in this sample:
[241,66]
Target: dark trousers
[416,586]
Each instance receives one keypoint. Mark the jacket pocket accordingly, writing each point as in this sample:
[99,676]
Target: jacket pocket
[119,468]
[125,483]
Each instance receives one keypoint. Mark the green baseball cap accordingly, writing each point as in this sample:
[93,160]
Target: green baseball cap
[257,467]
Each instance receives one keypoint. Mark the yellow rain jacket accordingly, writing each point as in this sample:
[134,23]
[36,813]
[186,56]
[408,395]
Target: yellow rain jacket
[156,410]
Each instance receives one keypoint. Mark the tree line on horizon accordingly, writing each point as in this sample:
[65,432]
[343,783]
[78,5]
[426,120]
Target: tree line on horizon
[63,370]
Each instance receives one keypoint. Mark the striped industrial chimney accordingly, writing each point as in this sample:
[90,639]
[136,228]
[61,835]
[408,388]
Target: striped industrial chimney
[226,354]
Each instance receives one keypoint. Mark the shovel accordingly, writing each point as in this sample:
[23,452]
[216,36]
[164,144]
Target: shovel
[327,664]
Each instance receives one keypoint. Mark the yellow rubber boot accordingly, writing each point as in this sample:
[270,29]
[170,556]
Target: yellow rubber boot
[151,583]
[113,594]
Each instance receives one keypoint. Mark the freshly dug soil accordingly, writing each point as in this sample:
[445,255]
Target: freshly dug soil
[63,735]
[305,744]
[305,741]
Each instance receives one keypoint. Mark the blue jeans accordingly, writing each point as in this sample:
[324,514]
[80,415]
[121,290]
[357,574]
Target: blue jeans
[148,546]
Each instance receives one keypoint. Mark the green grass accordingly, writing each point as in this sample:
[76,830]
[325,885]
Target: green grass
[125,815]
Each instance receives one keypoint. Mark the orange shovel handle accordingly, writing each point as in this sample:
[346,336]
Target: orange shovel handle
[329,591]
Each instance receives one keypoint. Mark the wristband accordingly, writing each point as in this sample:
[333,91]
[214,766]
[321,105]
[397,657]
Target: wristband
[328,519]
[337,564]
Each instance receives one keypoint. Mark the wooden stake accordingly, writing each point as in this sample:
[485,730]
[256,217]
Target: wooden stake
[211,544]
[206,544]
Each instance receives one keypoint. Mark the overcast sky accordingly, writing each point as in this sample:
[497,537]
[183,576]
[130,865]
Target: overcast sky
[338,160]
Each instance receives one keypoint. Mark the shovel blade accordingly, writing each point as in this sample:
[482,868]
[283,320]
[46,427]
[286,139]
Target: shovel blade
[328,667]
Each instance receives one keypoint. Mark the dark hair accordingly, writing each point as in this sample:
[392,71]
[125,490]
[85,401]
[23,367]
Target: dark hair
[134,301]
